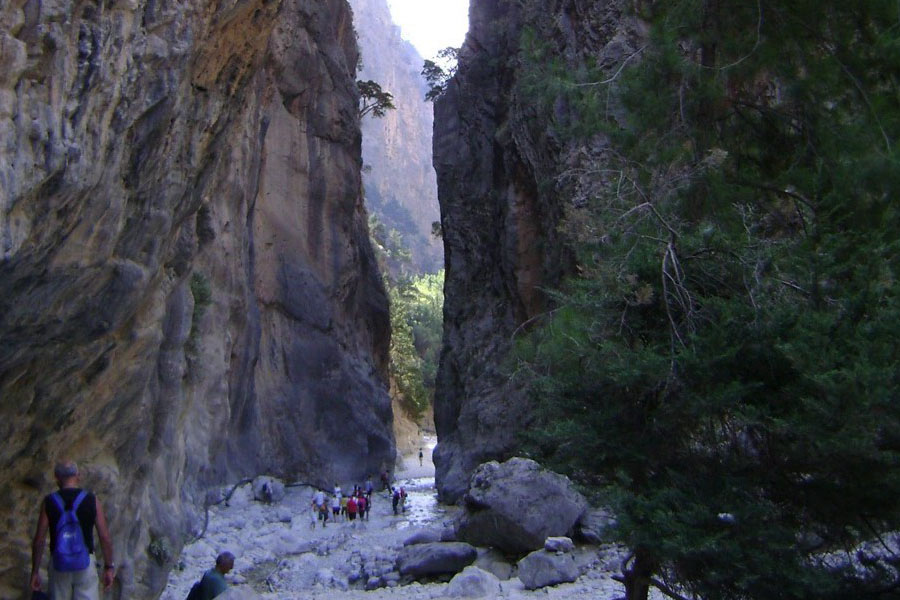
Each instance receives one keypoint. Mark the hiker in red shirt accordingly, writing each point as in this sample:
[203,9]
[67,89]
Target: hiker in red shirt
[351,507]
[362,506]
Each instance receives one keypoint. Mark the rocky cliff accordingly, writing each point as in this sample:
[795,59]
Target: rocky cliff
[502,200]
[187,290]
[400,182]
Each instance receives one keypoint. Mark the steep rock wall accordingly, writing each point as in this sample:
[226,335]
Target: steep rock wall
[187,291]
[401,185]
[498,166]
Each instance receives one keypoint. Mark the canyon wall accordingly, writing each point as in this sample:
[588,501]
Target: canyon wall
[188,295]
[400,182]
[502,197]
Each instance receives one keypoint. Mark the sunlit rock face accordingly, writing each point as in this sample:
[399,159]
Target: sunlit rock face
[400,182]
[498,163]
[187,291]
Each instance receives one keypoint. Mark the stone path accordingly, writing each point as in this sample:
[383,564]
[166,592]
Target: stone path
[279,556]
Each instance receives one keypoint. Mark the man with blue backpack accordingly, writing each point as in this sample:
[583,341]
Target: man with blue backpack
[70,515]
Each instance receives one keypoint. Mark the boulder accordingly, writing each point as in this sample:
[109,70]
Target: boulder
[541,568]
[516,505]
[238,593]
[593,524]
[493,561]
[559,544]
[473,582]
[268,489]
[435,558]
[424,536]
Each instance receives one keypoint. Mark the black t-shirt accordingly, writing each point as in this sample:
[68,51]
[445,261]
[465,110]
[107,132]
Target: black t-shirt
[86,513]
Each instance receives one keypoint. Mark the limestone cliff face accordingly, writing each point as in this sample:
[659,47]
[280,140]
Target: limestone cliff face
[501,205]
[187,291]
[400,182]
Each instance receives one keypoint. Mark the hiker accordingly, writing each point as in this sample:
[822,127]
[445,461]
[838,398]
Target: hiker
[70,514]
[402,499]
[213,581]
[344,506]
[384,480]
[362,506]
[395,498]
[318,502]
[369,489]
[352,507]
[420,457]
[336,507]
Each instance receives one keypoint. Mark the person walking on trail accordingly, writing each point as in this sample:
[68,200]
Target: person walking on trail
[402,499]
[336,508]
[319,505]
[70,514]
[370,487]
[395,499]
[385,480]
[420,457]
[351,508]
[213,582]
[362,506]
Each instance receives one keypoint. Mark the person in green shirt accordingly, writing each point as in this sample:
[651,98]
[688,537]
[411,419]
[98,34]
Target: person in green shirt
[213,582]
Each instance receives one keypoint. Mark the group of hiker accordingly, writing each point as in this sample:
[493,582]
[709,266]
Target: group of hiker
[71,514]
[342,507]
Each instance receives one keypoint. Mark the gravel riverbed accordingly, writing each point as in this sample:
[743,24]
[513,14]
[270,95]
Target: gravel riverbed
[280,556]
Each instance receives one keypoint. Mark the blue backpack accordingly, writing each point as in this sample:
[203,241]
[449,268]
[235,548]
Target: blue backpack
[70,553]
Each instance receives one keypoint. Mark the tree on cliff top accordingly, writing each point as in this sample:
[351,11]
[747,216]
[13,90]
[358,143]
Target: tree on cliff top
[438,72]
[725,371]
[373,100]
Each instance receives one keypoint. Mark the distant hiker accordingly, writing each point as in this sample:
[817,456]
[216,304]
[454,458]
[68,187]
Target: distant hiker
[70,514]
[313,515]
[337,490]
[318,502]
[268,494]
[362,506]
[403,499]
[395,499]
[213,581]
[352,507]
[369,489]
[344,506]
[385,480]
[336,507]
[420,457]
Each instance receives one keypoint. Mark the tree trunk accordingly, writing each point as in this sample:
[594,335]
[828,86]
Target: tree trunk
[637,579]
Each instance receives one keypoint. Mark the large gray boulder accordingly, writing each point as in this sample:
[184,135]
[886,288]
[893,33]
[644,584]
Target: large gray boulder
[516,505]
[594,524]
[435,558]
[473,582]
[542,568]
[424,536]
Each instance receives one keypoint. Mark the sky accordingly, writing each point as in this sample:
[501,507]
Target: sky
[431,25]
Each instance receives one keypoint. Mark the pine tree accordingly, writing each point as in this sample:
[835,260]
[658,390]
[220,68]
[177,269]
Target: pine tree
[724,372]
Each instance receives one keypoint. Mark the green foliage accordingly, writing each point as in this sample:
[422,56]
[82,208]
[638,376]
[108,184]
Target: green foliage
[373,100]
[725,371]
[438,72]
[417,304]
[416,322]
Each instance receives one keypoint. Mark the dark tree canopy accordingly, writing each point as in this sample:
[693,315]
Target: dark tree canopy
[724,369]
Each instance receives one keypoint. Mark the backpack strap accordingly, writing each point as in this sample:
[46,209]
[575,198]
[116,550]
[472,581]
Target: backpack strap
[57,499]
[78,499]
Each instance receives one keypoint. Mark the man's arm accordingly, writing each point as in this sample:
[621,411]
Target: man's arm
[37,548]
[109,571]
